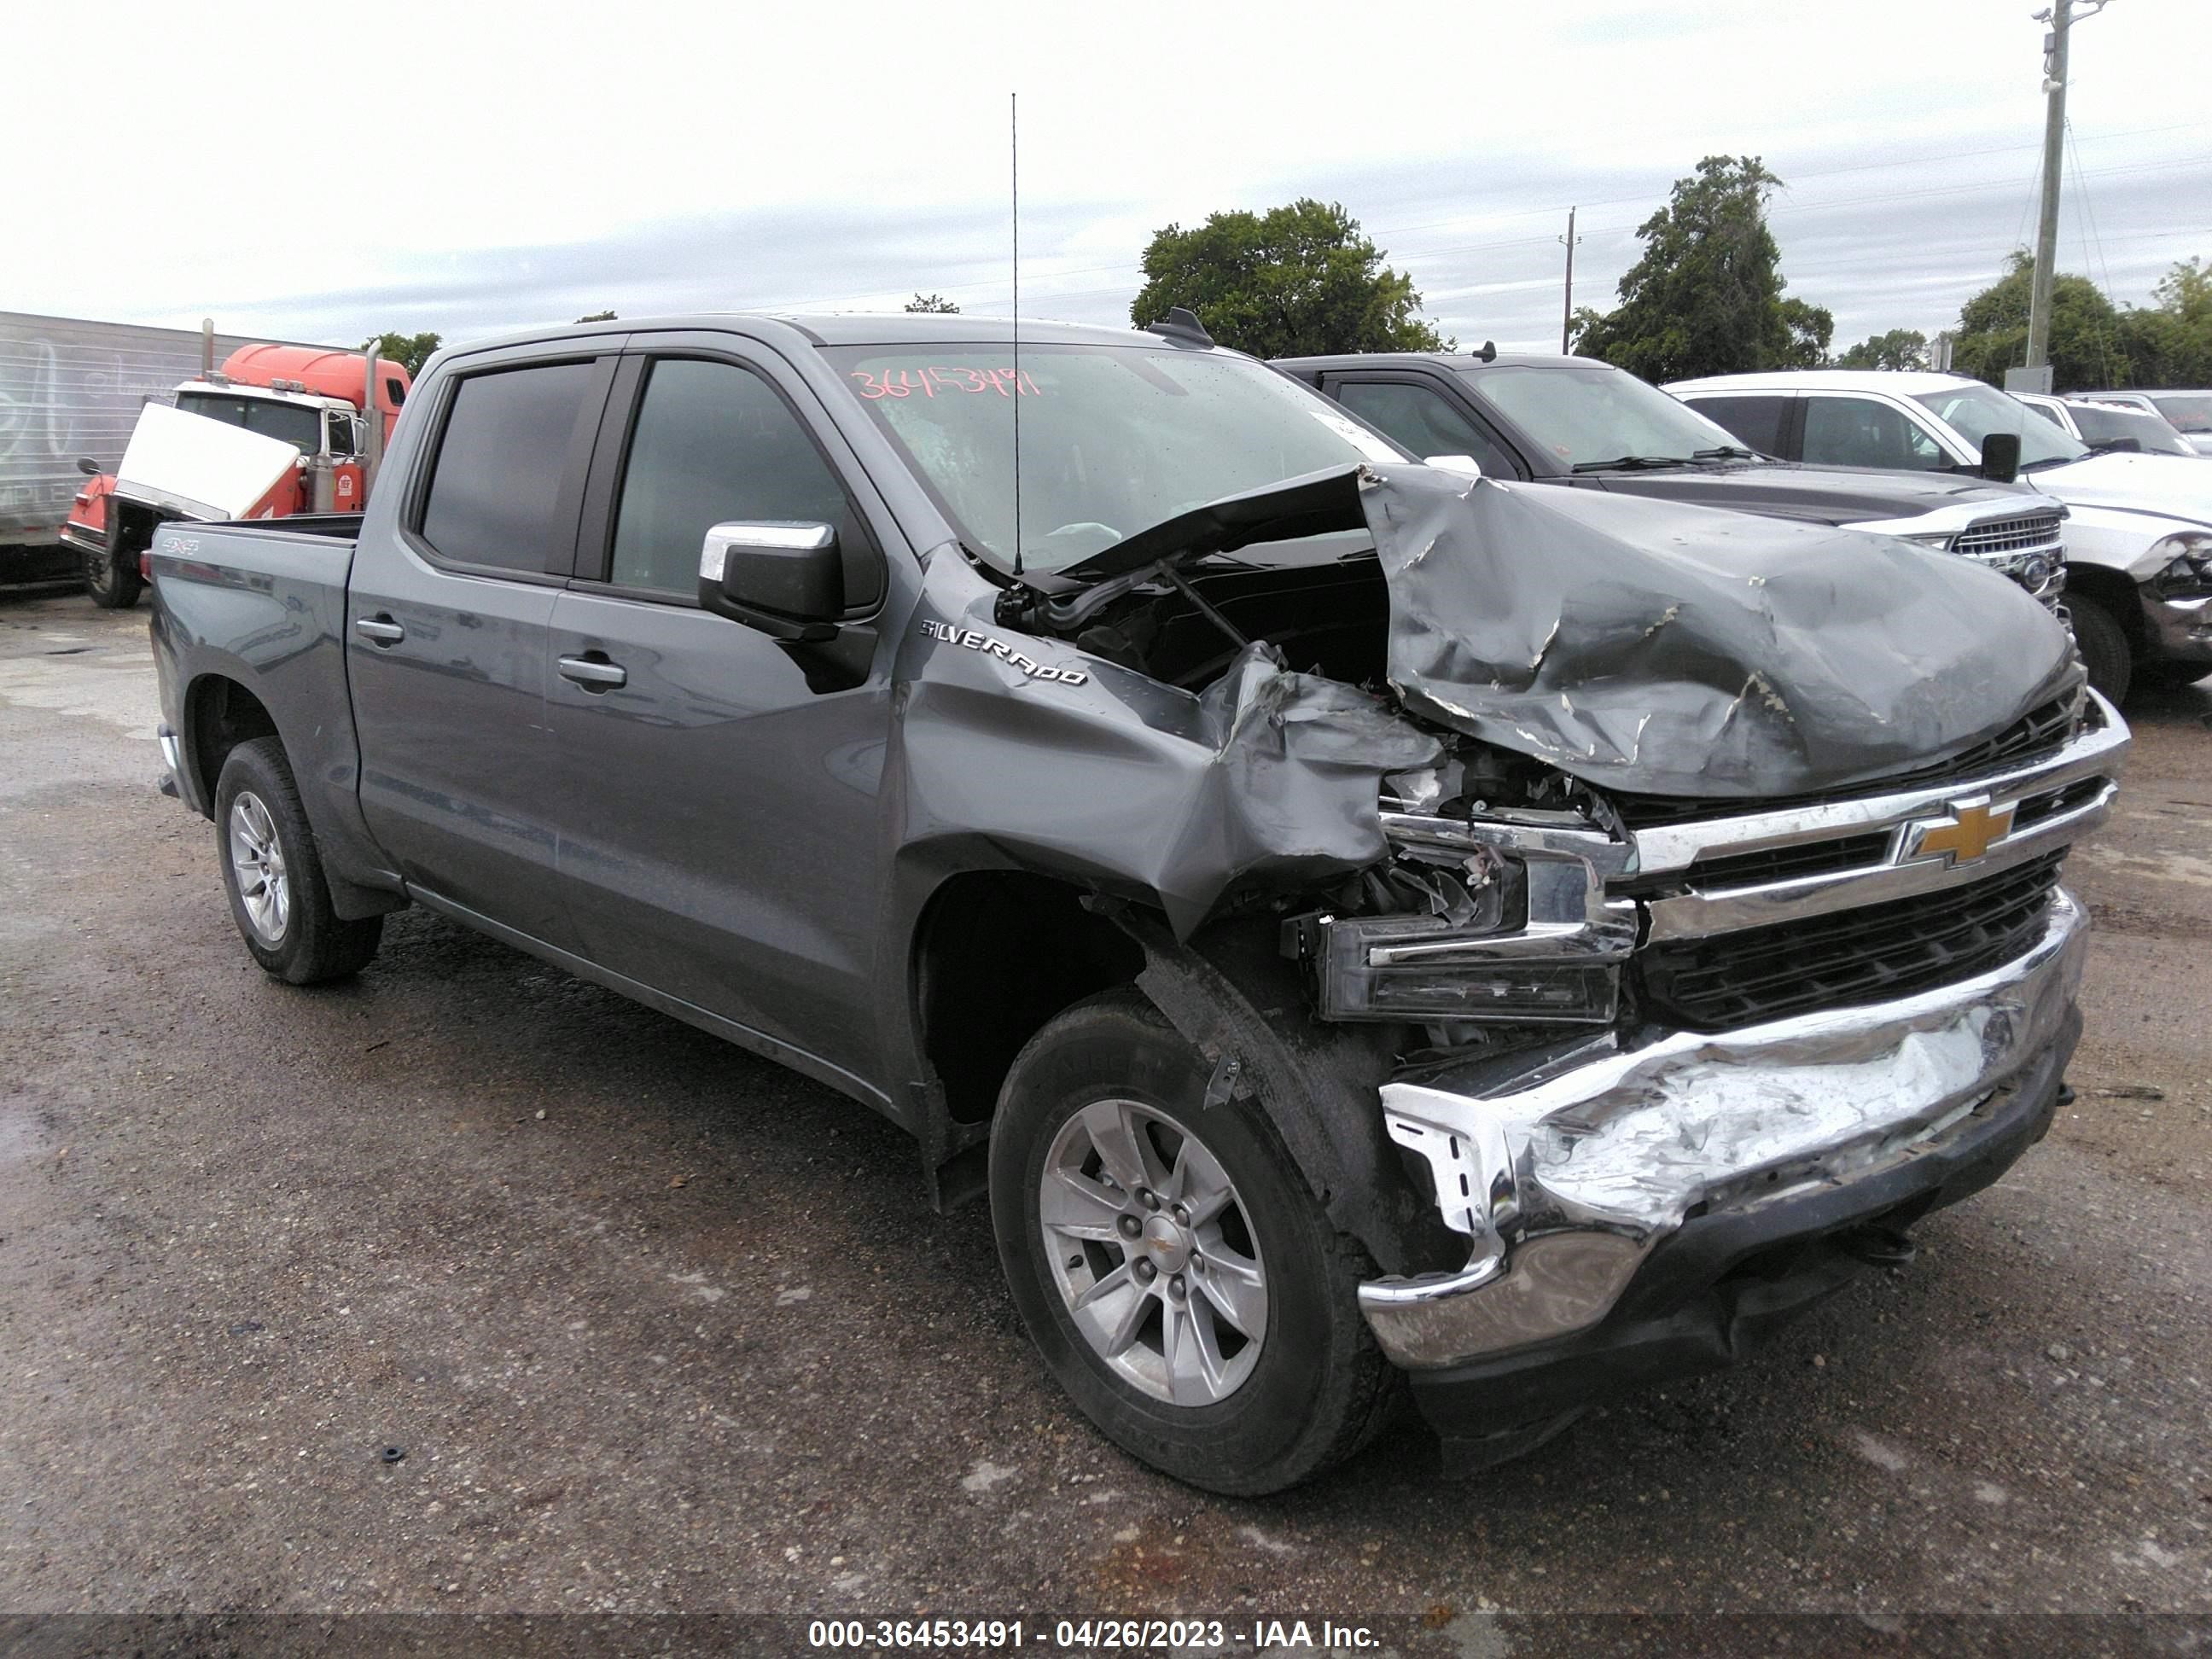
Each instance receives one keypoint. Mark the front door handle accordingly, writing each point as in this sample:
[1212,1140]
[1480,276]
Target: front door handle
[380,628]
[595,672]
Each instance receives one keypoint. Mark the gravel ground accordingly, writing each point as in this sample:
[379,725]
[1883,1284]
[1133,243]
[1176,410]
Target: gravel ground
[660,1327]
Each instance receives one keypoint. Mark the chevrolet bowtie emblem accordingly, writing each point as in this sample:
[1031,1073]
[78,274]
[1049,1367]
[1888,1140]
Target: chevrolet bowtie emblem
[1970,830]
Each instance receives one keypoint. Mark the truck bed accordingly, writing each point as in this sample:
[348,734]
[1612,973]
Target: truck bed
[254,613]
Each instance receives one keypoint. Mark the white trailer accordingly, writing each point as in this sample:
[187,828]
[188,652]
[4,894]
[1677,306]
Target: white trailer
[71,389]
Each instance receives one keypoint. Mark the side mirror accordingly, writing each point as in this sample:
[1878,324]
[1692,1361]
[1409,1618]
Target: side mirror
[785,577]
[90,468]
[2001,457]
[1466,466]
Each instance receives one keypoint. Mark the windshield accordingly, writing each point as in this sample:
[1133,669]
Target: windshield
[2192,412]
[1114,439]
[1975,411]
[295,423]
[2100,424]
[1583,416]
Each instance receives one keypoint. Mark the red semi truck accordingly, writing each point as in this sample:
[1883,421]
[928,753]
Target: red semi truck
[278,431]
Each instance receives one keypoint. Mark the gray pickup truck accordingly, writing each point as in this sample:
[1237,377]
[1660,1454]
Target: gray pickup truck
[1363,925]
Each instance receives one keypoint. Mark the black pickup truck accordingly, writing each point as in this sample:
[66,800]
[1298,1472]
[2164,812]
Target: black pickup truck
[1579,421]
[1359,925]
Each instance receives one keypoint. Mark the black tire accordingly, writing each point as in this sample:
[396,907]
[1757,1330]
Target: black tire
[1317,1390]
[307,942]
[2170,676]
[2105,649]
[112,579]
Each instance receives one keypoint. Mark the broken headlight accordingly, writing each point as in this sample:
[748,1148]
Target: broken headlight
[2188,575]
[1518,930]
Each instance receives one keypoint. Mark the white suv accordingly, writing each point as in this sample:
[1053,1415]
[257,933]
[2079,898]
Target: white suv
[2138,527]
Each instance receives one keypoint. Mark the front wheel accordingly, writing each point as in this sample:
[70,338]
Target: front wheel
[111,577]
[2104,651]
[274,875]
[1177,1276]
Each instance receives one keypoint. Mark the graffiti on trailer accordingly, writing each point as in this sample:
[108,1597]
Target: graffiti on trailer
[62,396]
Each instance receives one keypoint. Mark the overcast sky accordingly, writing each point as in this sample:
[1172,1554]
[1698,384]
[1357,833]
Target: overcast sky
[323,173]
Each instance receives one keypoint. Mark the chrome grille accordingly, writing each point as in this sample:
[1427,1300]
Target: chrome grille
[2035,531]
[1871,954]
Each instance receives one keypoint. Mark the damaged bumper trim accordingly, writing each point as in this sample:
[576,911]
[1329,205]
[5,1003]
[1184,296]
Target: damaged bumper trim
[1566,1178]
[1889,846]
[2096,750]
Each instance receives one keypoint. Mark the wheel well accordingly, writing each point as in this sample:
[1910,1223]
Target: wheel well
[220,714]
[134,527]
[998,954]
[2114,591]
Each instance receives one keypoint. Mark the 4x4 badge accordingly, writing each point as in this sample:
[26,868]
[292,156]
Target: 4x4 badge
[1970,830]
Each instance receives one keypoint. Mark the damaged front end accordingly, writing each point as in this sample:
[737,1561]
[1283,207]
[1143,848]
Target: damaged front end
[1700,872]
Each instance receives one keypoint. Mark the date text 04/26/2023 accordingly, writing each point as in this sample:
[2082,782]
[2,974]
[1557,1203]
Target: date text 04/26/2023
[1085,1635]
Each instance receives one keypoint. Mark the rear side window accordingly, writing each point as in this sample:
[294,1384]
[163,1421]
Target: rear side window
[714,443]
[1757,421]
[496,494]
[1424,420]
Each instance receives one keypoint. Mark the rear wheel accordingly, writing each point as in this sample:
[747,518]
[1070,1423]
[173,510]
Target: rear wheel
[2104,650]
[274,875]
[1176,1274]
[111,576]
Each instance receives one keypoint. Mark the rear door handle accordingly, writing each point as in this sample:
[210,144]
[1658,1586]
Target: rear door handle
[380,628]
[594,673]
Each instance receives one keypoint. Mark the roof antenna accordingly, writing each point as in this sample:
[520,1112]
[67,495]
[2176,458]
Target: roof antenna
[1014,149]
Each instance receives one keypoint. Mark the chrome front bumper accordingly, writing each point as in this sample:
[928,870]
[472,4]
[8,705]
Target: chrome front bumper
[1566,1177]
[2179,631]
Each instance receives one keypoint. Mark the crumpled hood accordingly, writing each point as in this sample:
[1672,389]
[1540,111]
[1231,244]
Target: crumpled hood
[2158,483]
[1668,649]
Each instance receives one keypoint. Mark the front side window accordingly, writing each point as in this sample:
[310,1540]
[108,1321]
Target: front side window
[1975,411]
[495,495]
[1421,418]
[1114,439]
[1860,432]
[296,424]
[714,443]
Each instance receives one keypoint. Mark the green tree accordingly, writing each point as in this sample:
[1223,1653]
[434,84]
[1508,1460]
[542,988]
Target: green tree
[2088,345]
[1293,281]
[598,317]
[936,303]
[2170,343]
[1900,347]
[1705,298]
[1810,328]
[412,349]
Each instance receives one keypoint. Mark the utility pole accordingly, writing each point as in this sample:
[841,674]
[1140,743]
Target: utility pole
[2061,19]
[1567,312]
